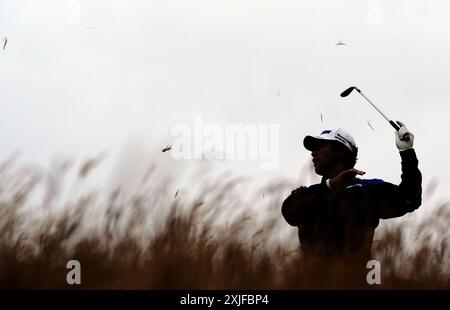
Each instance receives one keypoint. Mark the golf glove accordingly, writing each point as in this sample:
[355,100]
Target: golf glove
[404,138]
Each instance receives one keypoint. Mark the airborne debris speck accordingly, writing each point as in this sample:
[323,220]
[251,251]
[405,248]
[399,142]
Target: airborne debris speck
[340,43]
[167,148]
[370,125]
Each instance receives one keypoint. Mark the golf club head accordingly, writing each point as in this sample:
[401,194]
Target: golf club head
[347,92]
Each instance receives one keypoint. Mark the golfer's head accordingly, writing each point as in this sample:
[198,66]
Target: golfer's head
[332,148]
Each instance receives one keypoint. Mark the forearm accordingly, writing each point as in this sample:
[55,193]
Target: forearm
[411,184]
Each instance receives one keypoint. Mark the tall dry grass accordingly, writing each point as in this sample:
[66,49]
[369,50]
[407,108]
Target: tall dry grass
[220,239]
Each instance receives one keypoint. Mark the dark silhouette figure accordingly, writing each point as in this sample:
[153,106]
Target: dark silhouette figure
[336,218]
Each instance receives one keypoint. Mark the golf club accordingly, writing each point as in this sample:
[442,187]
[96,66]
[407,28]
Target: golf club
[347,92]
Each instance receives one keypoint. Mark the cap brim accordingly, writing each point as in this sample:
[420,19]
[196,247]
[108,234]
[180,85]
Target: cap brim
[310,142]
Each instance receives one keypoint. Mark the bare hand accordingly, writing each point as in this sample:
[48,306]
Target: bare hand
[344,179]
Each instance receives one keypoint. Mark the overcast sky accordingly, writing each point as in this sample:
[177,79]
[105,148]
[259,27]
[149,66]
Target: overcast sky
[81,77]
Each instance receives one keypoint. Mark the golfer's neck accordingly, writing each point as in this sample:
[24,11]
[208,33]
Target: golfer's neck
[335,171]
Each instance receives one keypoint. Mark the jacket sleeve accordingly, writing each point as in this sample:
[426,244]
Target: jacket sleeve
[393,200]
[303,203]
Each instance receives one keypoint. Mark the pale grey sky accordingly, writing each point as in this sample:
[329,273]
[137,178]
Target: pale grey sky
[80,77]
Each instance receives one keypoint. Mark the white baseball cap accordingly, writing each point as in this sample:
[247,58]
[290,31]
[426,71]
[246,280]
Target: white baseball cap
[333,134]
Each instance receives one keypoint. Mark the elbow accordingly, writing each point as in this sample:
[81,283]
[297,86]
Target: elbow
[413,204]
[401,208]
[412,201]
[288,212]
[417,201]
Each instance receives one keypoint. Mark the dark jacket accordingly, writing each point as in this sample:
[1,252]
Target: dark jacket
[340,225]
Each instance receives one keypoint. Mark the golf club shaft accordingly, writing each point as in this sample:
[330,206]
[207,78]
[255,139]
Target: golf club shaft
[406,137]
[381,112]
[347,92]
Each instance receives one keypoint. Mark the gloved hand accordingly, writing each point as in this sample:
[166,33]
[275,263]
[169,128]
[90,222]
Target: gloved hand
[403,138]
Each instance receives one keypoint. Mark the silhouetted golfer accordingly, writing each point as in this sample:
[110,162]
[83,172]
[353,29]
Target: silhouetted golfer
[336,218]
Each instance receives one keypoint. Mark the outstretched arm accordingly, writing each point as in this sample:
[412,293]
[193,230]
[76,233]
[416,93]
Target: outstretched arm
[407,196]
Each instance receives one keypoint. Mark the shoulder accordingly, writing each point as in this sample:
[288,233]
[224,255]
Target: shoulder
[366,183]
[311,188]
